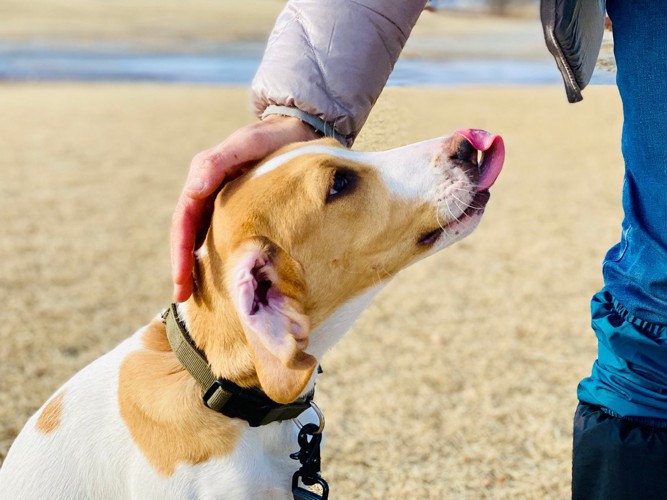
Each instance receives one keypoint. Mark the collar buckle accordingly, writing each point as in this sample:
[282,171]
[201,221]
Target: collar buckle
[222,395]
[251,405]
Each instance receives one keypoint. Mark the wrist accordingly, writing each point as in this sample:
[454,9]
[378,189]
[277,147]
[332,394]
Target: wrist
[320,127]
[302,130]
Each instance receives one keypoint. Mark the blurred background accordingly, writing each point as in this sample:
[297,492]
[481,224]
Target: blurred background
[208,41]
[459,381]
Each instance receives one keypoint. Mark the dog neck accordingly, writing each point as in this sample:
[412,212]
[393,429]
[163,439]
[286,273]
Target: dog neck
[217,331]
[212,322]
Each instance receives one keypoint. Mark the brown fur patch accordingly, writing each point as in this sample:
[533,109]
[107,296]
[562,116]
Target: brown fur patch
[338,248]
[369,233]
[49,419]
[326,251]
[162,407]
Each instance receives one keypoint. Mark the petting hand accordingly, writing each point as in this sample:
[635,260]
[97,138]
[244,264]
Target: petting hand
[209,170]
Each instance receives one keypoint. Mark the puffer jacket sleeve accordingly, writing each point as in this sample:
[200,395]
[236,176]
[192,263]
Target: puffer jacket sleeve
[327,61]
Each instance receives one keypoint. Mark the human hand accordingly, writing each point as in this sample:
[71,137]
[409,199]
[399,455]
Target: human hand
[209,170]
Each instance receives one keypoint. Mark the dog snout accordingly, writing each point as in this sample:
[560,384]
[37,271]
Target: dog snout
[492,149]
[460,148]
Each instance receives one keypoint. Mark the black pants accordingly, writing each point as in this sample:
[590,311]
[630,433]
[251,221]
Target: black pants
[616,458]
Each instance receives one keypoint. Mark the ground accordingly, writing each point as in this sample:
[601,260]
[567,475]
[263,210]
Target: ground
[458,382]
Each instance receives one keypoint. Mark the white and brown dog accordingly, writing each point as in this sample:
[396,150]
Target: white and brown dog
[296,250]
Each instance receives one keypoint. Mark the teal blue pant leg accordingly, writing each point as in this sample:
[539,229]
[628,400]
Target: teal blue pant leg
[629,316]
[620,427]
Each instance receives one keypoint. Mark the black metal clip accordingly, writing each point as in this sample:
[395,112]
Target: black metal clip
[309,457]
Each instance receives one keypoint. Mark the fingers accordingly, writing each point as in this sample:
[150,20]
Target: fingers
[182,236]
[208,172]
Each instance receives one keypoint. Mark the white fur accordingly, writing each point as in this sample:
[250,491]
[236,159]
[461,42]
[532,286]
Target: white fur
[279,160]
[408,171]
[94,446]
[201,252]
[91,453]
[326,335]
[98,458]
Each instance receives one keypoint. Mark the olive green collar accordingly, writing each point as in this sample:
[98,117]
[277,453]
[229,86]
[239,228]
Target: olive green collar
[222,395]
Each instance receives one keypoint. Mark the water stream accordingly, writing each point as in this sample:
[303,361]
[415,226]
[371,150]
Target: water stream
[236,64]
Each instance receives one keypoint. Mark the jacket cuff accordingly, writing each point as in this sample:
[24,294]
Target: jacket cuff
[325,129]
[331,59]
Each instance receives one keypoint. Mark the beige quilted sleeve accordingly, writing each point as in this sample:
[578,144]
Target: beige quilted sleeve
[327,61]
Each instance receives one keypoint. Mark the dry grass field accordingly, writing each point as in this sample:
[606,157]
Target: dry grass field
[458,382]
[149,23]
[186,25]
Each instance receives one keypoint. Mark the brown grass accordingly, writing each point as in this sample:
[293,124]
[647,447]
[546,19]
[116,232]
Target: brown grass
[193,25]
[157,23]
[458,382]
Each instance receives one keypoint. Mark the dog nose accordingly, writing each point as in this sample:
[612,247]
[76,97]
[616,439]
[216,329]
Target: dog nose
[492,148]
[461,148]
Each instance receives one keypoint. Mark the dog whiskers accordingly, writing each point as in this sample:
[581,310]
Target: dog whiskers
[443,227]
[465,206]
[451,213]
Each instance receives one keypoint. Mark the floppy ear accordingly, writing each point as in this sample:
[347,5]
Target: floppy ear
[267,288]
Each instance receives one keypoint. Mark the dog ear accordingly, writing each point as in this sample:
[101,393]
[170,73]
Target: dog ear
[267,289]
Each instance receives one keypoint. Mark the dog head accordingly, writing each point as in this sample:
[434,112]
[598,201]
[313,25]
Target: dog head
[312,232]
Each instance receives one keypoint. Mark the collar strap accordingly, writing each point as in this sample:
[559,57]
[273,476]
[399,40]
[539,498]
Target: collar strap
[222,395]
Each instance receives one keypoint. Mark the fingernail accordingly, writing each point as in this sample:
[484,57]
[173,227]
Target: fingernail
[195,186]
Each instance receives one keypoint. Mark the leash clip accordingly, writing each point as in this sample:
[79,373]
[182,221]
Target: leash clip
[310,437]
[320,416]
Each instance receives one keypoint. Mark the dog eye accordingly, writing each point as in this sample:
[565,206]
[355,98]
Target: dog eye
[340,182]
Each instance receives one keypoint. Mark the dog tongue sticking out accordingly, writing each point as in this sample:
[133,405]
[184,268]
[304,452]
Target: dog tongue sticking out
[493,155]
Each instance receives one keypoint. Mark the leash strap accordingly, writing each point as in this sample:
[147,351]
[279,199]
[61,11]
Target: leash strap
[221,395]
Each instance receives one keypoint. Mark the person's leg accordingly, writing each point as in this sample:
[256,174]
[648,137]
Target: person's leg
[620,428]
[635,270]
[616,458]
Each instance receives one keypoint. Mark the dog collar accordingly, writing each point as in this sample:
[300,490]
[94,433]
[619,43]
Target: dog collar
[222,395]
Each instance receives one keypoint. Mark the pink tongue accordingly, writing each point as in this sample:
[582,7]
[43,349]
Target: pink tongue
[493,154]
